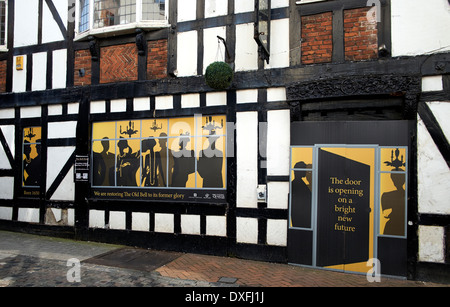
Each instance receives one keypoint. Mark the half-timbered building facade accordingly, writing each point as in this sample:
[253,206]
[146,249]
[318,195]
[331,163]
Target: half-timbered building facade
[329,148]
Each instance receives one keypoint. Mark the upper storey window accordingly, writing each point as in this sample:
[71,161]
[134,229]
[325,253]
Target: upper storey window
[97,17]
[3,23]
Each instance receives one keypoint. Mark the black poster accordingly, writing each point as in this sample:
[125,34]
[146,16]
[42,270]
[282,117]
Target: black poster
[343,209]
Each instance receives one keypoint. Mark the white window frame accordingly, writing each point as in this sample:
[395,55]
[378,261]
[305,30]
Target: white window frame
[4,47]
[117,29]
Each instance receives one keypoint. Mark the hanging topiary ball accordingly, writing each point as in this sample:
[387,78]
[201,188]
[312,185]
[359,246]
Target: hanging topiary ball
[219,75]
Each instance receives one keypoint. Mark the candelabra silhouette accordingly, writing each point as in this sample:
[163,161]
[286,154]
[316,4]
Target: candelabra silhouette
[155,127]
[30,134]
[130,130]
[211,125]
[396,163]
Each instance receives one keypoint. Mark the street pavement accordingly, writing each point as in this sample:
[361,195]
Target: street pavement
[38,261]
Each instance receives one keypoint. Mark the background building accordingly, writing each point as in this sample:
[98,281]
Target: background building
[107,123]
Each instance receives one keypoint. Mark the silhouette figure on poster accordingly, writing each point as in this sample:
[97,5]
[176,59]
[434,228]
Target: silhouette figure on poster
[210,164]
[152,165]
[31,166]
[211,159]
[103,165]
[166,160]
[301,199]
[309,177]
[395,200]
[184,162]
[127,164]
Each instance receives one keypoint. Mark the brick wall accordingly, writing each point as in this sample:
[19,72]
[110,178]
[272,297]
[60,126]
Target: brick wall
[157,59]
[119,63]
[360,36]
[82,61]
[3,65]
[317,38]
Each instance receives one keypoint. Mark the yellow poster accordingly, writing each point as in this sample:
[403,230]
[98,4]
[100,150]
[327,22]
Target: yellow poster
[187,152]
[31,160]
[211,148]
[301,187]
[392,191]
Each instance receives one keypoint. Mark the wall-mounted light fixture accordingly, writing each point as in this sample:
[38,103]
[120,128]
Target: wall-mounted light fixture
[262,27]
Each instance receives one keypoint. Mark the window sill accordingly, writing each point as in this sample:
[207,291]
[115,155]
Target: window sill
[3,49]
[308,1]
[121,29]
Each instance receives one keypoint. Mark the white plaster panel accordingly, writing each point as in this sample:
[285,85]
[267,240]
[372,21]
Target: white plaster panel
[277,232]
[276,94]
[279,3]
[187,10]
[39,71]
[66,189]
[247,158]
[164,102]
[441,111]
[212,50]
[244,6]
[97,107]
[6,187]
[190,224]
[431,244]
[140,221]
[96,218]
[117,220]
[247,96]
[141,104]
[278,142]
[118,105]
[216,226]
[247,230]
[164,222]
[59,68]
[418,28]
[20,76]
[7,113]
[71,217]
[432,83]
[72,108]
[190,100]
[187,56]
[6,213]
[433,175]
[277,195]
[30,215]
[9,134]
[279,44]
[215,8]
[59,130]
[246,48]
[50,29]
[58,157]
[26,22]
[4,162]
[55,109]
[30,112]
[216,99]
